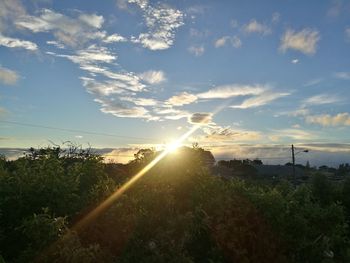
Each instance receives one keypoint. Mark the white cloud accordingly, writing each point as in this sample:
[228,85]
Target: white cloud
[141,101]
[17,43]
[56,44]
[181,99]
[153,76]
[304,41]
[234,90]
[322,99]
[295,61]
[8,77]
[342,75]
[341,119]
[114,38]
[255,27]
[235,41]
[161,21]
[260,100]
[92,20]
[196,50]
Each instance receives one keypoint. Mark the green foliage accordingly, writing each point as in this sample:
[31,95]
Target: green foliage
[177,212]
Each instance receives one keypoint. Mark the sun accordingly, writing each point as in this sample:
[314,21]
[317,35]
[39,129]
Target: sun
[173,146]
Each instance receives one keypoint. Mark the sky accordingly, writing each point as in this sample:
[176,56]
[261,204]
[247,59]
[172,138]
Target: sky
[124,74]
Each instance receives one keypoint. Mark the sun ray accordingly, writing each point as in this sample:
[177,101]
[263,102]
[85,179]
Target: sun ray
[120,191]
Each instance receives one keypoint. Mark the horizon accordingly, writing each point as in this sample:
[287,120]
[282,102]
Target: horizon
[249,79]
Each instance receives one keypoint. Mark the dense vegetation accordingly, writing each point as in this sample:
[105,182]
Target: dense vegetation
[177,212]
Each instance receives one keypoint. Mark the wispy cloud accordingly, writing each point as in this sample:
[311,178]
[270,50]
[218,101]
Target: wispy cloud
[234,41]
[153,76]
[340,119]
[342,75]
[347,33]
[255,27]
[216,133]
[295,134]
[321,99]
[304,41]
[17,43]
[335,8]
[275,17]
[234,90]
[313,82]
[196,50]
[260,100]
[8,77]
[70,31]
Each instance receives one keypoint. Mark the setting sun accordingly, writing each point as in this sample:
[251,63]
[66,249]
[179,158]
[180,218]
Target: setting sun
[173,146]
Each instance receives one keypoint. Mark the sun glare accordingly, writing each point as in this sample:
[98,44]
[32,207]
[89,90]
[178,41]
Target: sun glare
[173,146]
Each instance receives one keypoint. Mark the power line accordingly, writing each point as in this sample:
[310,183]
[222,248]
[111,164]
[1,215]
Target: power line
[75,130]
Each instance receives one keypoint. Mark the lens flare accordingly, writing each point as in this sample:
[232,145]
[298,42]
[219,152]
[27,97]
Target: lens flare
[121,190]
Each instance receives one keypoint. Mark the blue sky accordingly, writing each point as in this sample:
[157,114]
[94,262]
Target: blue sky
[279,72]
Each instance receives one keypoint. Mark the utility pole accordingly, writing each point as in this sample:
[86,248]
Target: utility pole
[293,158]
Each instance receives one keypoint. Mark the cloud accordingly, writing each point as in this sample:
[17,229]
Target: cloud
[153,76]
[181,99]
[17,43]
[275,17]
[342,75]
[162,22]
[92,20]
[69,31]
[9,11]
[56,44]
[234,23]
[260,100]
[234,41]
[322,99]
[304,41]
[341,119]
[196,50]
[114,38]
[141,101]
[313,82]
[198,33]
[200,118]
[120,109]
[227,134]
[233,90]
[255,27]
[295,134]
[8,77]
[295,61]
[335,8]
